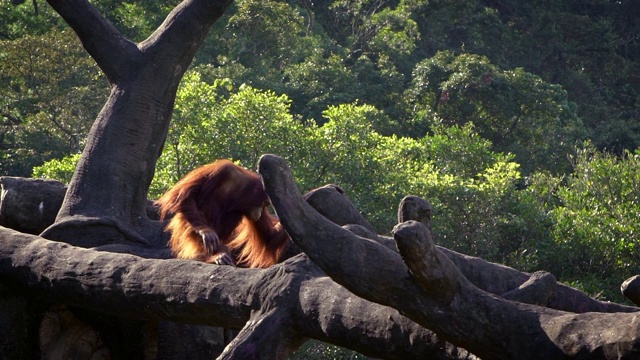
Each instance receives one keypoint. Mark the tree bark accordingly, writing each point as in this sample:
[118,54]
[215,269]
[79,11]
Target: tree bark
[494,278]
[29,205]
[276,308]
[107,194]
[426,286]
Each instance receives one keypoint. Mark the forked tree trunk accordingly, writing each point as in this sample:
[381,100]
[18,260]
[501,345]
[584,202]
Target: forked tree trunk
[107,194]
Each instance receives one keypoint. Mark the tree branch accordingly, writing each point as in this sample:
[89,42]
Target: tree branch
[316,307]
[438,296]
[117,56]
[127,137]
[309,304]
[538,290]
[444,279]
[265,336]
[631,289]
[494,278]
[191,17]
[331,202]
[125,284]
[114,54]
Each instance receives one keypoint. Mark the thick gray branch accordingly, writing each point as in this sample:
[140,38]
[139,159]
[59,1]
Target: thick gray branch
[118,57]
[113,53]
[441,278]
[489,326]
[309,304]
[125,284]
[331,202]
[631,289]
[265,336]
[180,35]
[494,278]
[29,205]
[538,290]
[110,184]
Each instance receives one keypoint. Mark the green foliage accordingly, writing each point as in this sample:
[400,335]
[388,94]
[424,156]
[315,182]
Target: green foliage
[598,221]
[336,52]
[136,19]
[516,110]
[139,20]
[377,171]
[594,215]
[271,45]
[50,93]
[58,169]
[474,191]
[264,31]
[478,207]
[27,19]
[347,153]
[257,41]
[320,82]
[370,26]
[589,48]
[213,121]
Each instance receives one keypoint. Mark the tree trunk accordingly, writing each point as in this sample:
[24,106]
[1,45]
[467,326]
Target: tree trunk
[107,194]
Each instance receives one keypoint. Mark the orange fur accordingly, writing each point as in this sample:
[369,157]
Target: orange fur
[251,249]
[185,243]
[219,197]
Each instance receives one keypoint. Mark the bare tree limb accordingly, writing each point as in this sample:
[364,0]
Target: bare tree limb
[442,279]
[114,54]
[168,44]
[313,311]
[440,297]
[309,304]
[538,290]
[29,205]
[491,277]
[330,201]
[114,283]
[266,336]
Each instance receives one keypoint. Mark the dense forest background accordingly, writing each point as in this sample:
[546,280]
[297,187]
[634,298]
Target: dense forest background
[519,121]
